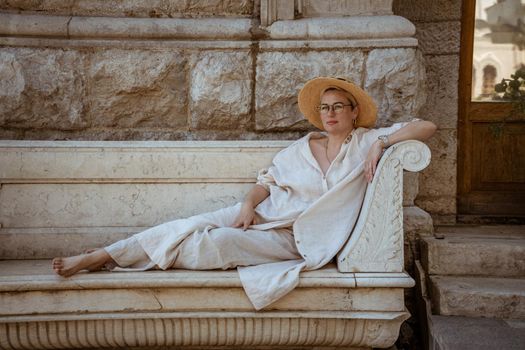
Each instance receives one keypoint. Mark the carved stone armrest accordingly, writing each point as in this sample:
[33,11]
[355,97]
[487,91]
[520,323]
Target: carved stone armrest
[376,243]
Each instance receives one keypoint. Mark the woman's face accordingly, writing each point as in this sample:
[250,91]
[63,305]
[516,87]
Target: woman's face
[338,123]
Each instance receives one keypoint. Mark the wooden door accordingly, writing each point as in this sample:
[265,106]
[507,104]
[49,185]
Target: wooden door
[491,152]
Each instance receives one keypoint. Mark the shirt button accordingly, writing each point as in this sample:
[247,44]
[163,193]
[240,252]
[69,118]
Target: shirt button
[297,242]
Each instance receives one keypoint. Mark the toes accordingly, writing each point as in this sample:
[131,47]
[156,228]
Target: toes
[58,266]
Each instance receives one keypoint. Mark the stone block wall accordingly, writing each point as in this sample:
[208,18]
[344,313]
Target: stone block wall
[135,9]
[179,70]
[104,93]
[438,30]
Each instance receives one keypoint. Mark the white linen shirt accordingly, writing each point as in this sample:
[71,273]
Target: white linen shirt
[323,209]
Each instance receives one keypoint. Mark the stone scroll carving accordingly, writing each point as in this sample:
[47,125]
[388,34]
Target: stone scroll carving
[376,244]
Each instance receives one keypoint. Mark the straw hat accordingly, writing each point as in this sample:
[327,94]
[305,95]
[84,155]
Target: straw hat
[310,98]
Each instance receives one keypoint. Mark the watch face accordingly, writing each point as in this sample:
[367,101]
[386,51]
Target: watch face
[384,139]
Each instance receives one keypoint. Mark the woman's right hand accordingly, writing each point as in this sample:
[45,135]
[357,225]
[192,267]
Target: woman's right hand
[246,216]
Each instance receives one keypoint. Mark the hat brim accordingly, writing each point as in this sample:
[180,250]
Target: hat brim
[310,98]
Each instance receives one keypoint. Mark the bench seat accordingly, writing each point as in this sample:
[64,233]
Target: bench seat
[184,290]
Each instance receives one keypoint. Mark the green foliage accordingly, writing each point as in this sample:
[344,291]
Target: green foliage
[513,90]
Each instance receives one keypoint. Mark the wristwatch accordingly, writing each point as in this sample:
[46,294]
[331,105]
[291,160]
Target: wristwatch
[384,140]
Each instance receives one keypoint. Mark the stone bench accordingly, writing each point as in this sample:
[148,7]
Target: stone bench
[60,198]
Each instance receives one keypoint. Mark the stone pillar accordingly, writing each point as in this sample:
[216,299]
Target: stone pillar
[275,10]
[438,26]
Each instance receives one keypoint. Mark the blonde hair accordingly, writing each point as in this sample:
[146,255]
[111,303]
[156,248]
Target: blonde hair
[345,93]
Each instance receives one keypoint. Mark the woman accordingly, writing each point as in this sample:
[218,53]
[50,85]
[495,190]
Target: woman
[298,215]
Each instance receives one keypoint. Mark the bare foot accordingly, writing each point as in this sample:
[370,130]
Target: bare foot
[68,266]
[97,268]
[93,261]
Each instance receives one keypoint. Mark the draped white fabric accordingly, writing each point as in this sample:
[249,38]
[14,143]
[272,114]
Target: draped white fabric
[321,208]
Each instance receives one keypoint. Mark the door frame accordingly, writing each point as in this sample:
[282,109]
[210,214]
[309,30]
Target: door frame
[469,111]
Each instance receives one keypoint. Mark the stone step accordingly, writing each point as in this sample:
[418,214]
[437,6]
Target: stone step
[478,296]
[469,333]
[475,250]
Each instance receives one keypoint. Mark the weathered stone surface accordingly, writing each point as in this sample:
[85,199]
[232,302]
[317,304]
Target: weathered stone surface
[442,208]
[438,183]
[221,90]
[474,333]
[439,206]
[271,11]
[199,309]
[439,37]
[41,88]
[366,44]
[131,88]
[410,187]
[142,134]
[73,89]
[199,296]
[428,10]
[416,221]
[334,8]
[396,80]
[10,134]
[34,25]
[85,205]
[47,243]
[280,76]
[131,8]
[441,106]
[132,203]
[476,253]
[212,330]
[147,28]
[478,296]
[355,27]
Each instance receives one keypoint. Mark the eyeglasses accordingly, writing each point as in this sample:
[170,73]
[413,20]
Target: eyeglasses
[336,107]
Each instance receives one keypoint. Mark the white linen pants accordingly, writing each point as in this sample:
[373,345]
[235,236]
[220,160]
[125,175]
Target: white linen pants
[211,248]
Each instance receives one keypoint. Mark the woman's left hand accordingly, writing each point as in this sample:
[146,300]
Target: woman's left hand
[246,217]
[372,158]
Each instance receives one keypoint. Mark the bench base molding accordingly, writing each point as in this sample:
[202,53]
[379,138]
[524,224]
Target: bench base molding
[283,329]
